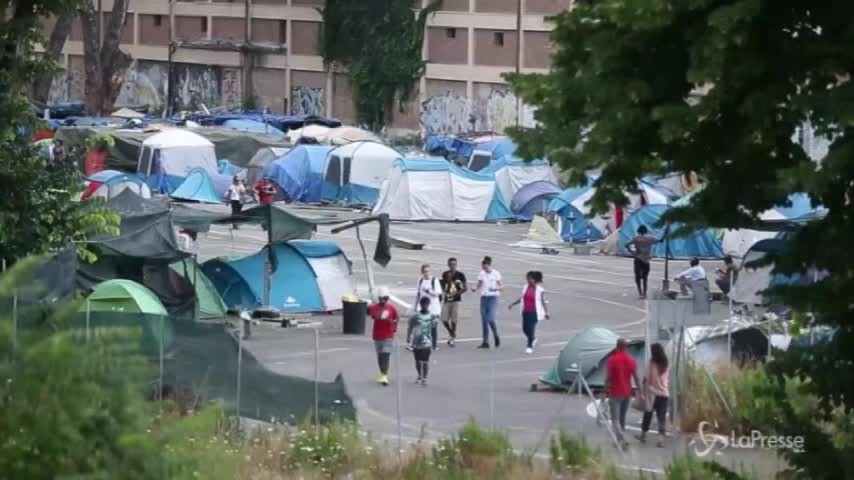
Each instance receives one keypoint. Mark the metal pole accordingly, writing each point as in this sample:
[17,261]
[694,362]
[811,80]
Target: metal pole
[170,81]
[160,382]
[518,56]
[729,322]
[316,380]
[492,393]
[399,385]
[239,363]
[367,264]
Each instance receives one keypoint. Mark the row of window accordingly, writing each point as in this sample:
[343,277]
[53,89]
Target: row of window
[497,37]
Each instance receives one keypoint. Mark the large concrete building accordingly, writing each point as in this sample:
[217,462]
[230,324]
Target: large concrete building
[468,45]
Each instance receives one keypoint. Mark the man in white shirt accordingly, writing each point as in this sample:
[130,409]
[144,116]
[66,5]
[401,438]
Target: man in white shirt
[489,285]
[234,196]
[430,287]
[694,274]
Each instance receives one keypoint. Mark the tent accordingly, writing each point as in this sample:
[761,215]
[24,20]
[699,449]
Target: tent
[124,303]
[703,243]
[754,280]
[107,184]
[169,156]
[127,113]
[573,224]
[738,242]
[317,132]
[299,173]
[209,302]
[312,276]
[199,186]
[263,157]
[345,135]
[587,351]
[534,198]
[355,172]
[254,126]
[438,190]
[511,174]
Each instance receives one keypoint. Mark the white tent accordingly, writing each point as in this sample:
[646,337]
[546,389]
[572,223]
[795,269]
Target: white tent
[738,242]
[170,155]
[355,172]
[317,132]
[607,224]
[345,135]
[439,190]
[514,174]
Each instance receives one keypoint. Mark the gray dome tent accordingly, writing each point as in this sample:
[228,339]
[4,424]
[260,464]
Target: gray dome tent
[588,350]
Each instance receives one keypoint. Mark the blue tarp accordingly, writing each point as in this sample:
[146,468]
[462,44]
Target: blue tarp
[104,175]
[499,147]
[705,243]
[293,288]
[575,227]
[440,145]
[282,122]
[299,173]
[198,186]
[253,126]
[534,198]
[225,167]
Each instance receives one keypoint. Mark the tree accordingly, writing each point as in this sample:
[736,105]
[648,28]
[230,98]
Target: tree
[53,49]
[719,88]
[104,61]
[38,212]
[379,42]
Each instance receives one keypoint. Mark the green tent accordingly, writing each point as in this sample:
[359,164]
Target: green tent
[210,304]
[124,303]
[587,351]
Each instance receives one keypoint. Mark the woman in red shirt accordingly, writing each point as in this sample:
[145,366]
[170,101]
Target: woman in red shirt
[266,191]
[533,308]
[385,320]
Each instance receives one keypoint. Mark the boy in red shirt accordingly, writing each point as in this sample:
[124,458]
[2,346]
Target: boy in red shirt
[621,368]
[385,328]
[266,191]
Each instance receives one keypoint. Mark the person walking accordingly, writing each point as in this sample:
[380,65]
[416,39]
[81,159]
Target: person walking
[533,308]
[420,340]
[385,319]
[640,246]
[234,196]
[489,285]
[620,369]
[429,288]
[657,391]
[454,286]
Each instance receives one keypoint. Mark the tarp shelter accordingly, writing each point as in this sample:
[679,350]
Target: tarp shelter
[125,303]
[168,157]
[107,184]
[486,154]
[511,174]
[753,280]
[587,351]
[263,157]
[355,172]
[534,199]
[439,190]
[345,134]
[312,276]
[254,126]
[573,224]
[317,132]
[209,302]
[282,122]
[199,186]
[702,243]
[738,242]
[299,172]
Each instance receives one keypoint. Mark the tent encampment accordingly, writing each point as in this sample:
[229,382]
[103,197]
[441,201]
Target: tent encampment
[312,276]
[168,157]
[511,174]
[254,126]
[534,199]
[317,132]
[263,157]
[702,243]
[299,172]
[346,134]
[573,224]
[200,186]
[209,302]
[108,184]
[587,351]
[738,242]
[439,190]
[355,172]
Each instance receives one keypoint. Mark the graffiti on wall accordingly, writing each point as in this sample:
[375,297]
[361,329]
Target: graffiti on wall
[147,83]
[307,101]
[493,108]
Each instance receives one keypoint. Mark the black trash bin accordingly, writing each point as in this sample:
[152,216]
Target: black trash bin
[354,317]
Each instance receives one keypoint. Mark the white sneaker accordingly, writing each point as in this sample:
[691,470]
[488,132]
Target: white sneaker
[529,350]
[534,344]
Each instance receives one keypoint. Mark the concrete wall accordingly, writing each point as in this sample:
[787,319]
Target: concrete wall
[495,6]
[488,50]
[342,99]
[537,50]
[448,109]
[308,93]
[268,85]
[304,37]
[447,45]
[150,33]
[188,28]
[455,5]
[228,28]
[269,30]
[546,7]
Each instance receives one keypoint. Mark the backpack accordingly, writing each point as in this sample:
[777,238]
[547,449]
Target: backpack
[433,282]
[423,334]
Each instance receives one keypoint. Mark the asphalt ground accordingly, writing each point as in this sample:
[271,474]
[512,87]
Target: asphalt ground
[493,386]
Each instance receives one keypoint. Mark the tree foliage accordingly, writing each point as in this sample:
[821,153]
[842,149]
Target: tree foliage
[379,42]
[719,88]
[38,212]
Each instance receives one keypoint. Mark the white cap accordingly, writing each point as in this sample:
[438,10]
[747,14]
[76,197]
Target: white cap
[383,292]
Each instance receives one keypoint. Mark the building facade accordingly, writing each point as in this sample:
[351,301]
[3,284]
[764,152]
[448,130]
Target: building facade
[468,45]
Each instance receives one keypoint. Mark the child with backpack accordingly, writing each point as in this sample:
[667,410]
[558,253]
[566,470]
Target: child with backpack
[419,336]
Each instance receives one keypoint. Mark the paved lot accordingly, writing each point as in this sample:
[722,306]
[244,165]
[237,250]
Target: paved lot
[489,386]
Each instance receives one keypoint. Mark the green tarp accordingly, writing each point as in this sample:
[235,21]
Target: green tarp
[210,304]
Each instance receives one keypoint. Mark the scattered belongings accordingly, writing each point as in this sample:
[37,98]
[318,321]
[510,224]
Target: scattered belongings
[399,242]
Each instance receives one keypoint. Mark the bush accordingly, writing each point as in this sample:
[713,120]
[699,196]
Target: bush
[742,388]
[569,452]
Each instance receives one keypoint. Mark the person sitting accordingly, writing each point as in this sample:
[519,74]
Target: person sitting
[696,273]
[726,276]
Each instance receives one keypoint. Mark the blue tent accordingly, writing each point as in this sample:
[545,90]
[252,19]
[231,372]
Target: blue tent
[705,243]
[534,198]
[254,126]
[299,173]
[574,225]
[225,167]
[103,176]
[198,186]
[312,276]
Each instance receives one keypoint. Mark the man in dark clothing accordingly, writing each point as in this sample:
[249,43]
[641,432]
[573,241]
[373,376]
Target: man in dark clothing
[727,276]
[641,248]
[453,287]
